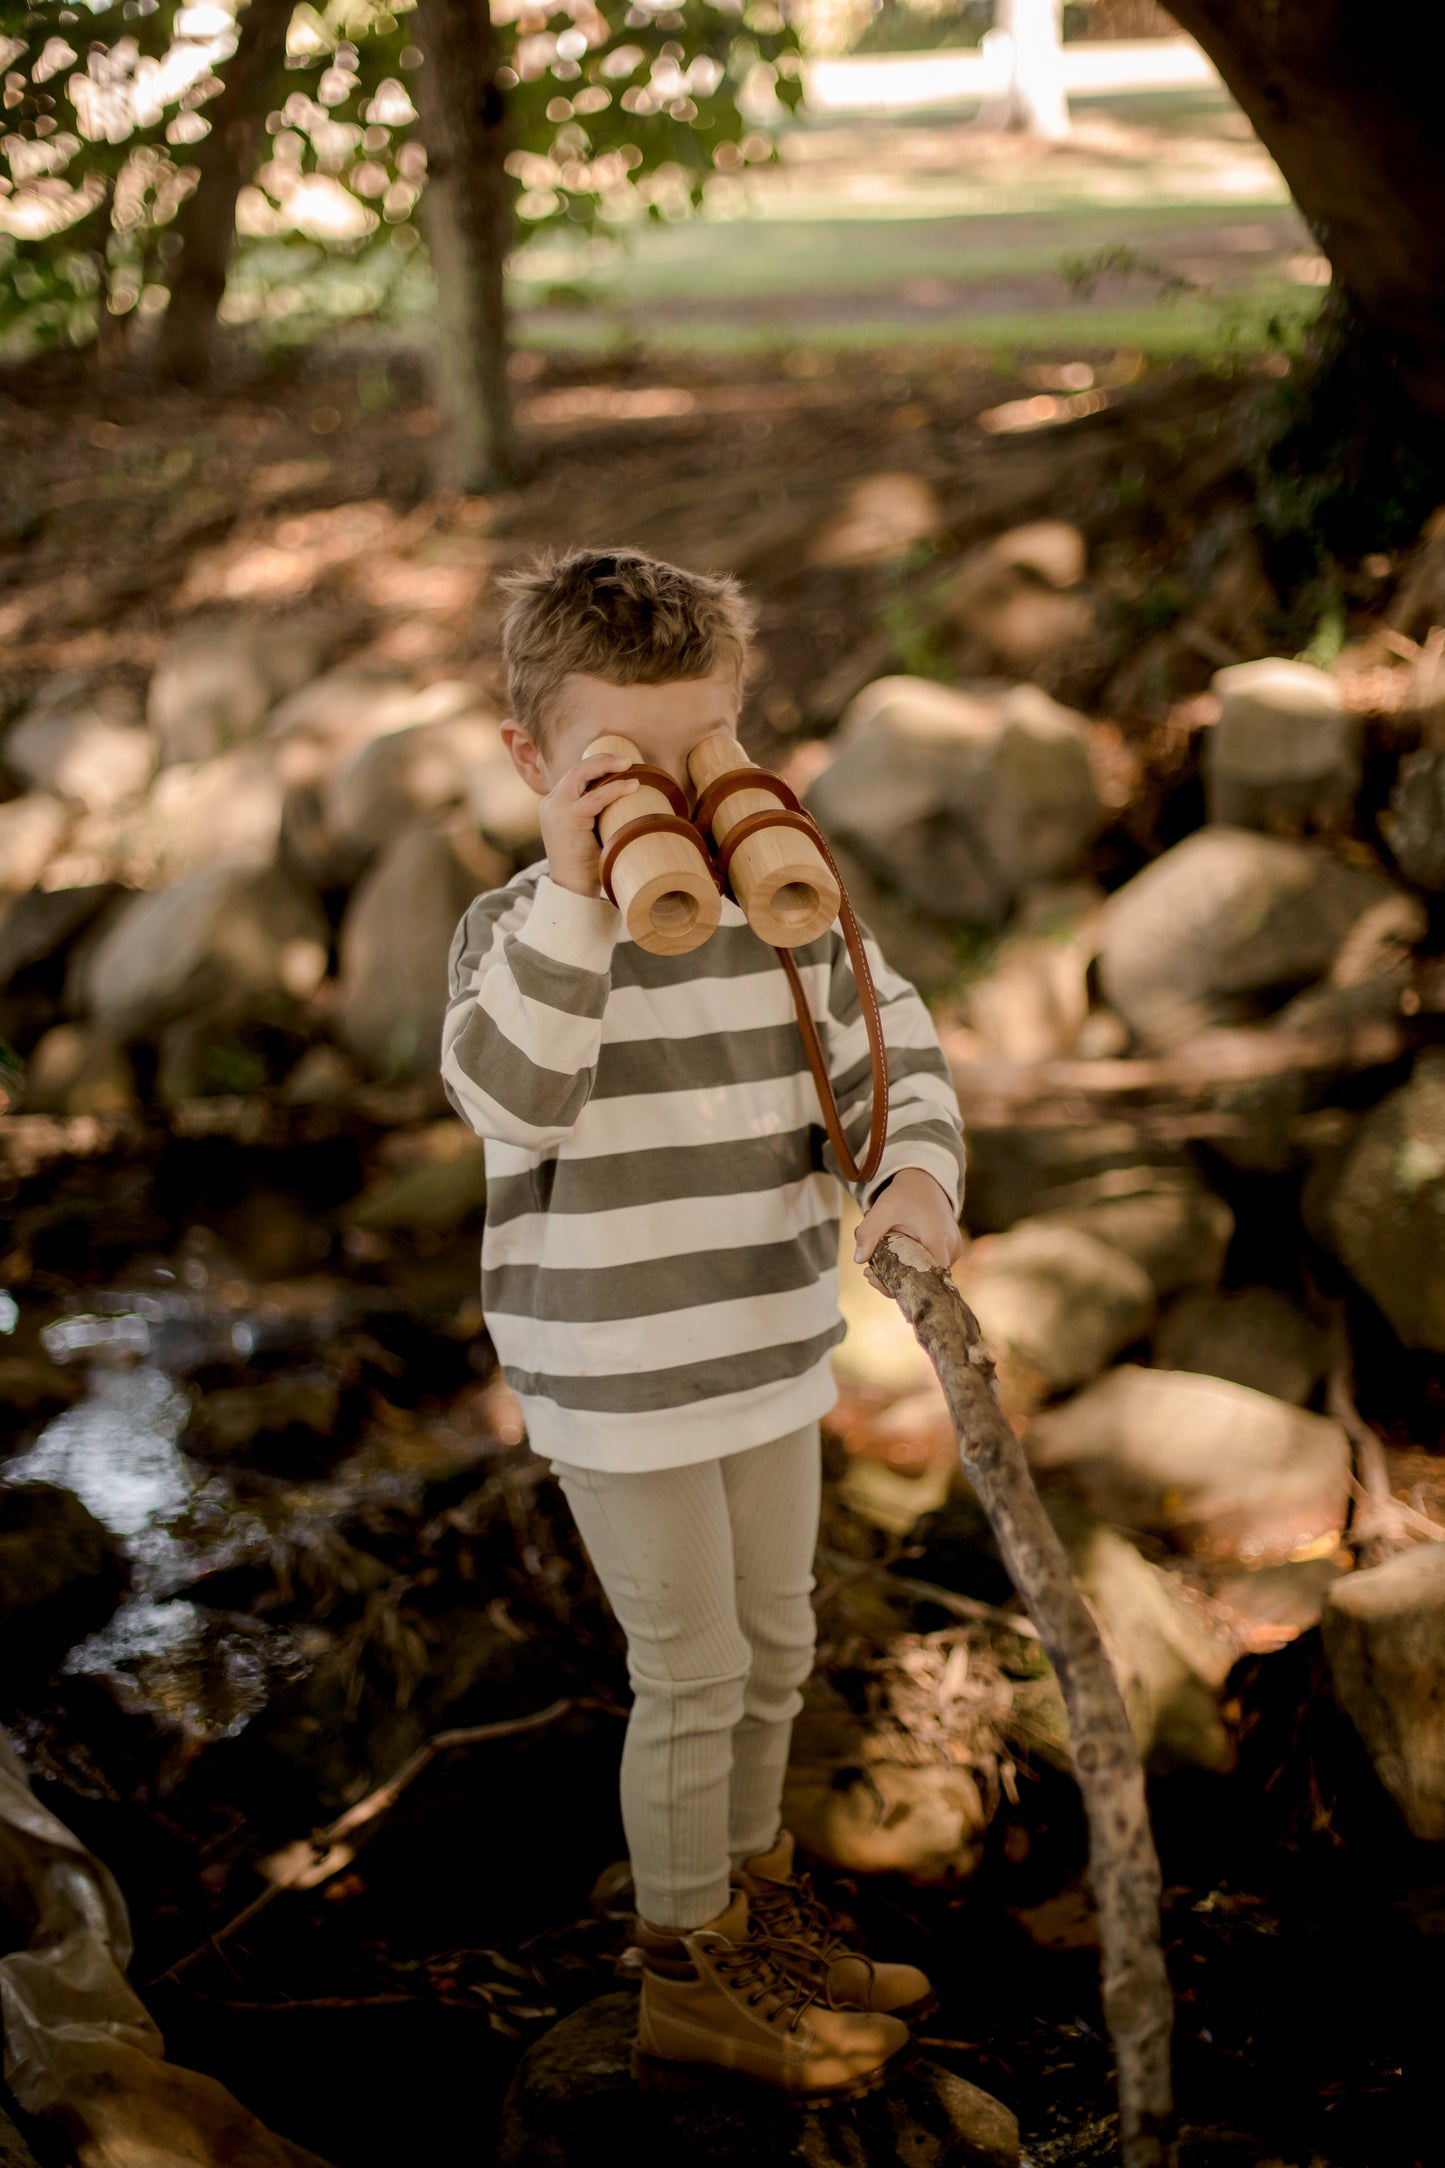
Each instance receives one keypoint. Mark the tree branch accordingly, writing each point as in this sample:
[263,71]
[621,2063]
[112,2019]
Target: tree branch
[1123,1864]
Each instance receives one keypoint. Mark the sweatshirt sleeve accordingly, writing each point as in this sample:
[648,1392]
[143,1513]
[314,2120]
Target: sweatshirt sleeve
[925,1127]
[528,980]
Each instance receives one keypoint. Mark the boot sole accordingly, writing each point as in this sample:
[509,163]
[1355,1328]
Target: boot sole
[660,2074]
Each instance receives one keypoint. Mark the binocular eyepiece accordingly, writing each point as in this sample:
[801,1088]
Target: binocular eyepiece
[659,871]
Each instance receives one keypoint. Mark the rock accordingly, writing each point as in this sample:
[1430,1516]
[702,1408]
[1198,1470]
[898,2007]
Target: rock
[222,1050]
[1056,1305]
[1019,1173]
[323,725]
[78,1069]
[1165,1219]
[222,936]
[219,681]
[1225,927]
[14,2152]
[323,1075]
[1014,620]
[1219,1469]
[1254,1336]
[963,801]
[1051,549]
[926,950]
[394,943]
[35,927]
[198,813]
[1383,1211]
[1031,1002]
[877,520]
[30,831]
[438,1185]
[1384,1635]
[292,1421]
[866,1811]
[1169,1665]
[61,1572]
[1285,753]
[85,745]
[395,780]
[1414,826]
[574,2102]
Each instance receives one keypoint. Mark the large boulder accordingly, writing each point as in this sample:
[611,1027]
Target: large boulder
[1169,1222]
[1384,1635]
[220,679]
[319,728]
[1019,1172]
[1056,1305]
[394,943]
[1285,752]
[574,2102]
[395,780]
[1383,1211]
[1031,1001]
[224,937]
[963,800]
[197,813]
[1254,1336]
[30,831]
[82,744]
[1218,1469]
[1228,925]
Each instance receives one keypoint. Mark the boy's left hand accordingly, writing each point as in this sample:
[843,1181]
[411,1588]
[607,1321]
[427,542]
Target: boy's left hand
[912,1204]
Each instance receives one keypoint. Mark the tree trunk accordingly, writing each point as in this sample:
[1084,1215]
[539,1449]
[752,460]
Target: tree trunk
[1123,1865]
[206,221]
[467,219]
[1034,102]
[1346,99]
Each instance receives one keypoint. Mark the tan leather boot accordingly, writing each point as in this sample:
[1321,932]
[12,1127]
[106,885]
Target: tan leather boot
[783,1905]
[719,2002]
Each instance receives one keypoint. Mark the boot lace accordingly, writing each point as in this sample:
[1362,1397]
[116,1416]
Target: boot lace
[792,1914]
[769,1971]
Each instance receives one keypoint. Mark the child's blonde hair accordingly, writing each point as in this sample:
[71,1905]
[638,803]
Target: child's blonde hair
[620,615]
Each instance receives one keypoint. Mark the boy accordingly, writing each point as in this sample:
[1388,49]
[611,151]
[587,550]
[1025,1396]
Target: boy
[659,1277]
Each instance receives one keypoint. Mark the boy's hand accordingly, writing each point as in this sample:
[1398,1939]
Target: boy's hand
[912,1204]
[567,817]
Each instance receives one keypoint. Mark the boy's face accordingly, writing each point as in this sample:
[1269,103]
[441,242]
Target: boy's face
[664,722]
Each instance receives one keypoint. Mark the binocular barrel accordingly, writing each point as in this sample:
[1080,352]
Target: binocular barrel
[778,874]
[662,881]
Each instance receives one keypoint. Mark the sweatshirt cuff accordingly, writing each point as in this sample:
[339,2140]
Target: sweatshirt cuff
[571,929]
[934,1159]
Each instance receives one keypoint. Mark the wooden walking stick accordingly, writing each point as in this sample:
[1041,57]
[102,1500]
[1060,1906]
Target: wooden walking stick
[780,877]
[1123,1864]
[654,865]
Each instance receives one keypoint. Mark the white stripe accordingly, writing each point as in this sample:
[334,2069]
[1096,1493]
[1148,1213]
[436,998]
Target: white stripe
[589,1241]
[612,1347]
[718,1114]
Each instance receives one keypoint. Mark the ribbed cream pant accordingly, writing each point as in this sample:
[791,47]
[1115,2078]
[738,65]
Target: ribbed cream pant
[709,1570]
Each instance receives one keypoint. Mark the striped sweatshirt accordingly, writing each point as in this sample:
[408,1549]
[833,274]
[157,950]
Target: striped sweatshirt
[660,1257]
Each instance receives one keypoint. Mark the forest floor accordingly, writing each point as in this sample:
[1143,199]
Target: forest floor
[381,2014]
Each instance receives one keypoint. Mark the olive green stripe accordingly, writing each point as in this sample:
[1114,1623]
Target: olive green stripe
[600,1184]
[543,1098]
[764,1054]
[651,1286]
[647,1392]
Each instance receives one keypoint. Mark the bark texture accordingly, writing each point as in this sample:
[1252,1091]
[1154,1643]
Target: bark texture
[1123,1864]
[206,221]
[1346,99]
[467,218]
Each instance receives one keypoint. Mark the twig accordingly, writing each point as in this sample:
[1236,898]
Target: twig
[1382,1524]
[947,1599]
[311,1860]
[1123,1864]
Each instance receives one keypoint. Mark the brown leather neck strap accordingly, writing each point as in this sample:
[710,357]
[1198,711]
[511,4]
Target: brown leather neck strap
[872,1024]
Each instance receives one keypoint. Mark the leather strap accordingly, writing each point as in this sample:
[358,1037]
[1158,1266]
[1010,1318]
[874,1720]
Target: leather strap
[872,1024]
[655,779]
[775,817]
[651,824]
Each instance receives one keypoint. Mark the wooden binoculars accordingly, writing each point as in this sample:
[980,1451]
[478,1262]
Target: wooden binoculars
[658,869]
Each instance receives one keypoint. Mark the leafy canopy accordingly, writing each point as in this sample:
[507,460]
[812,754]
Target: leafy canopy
[617,112]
